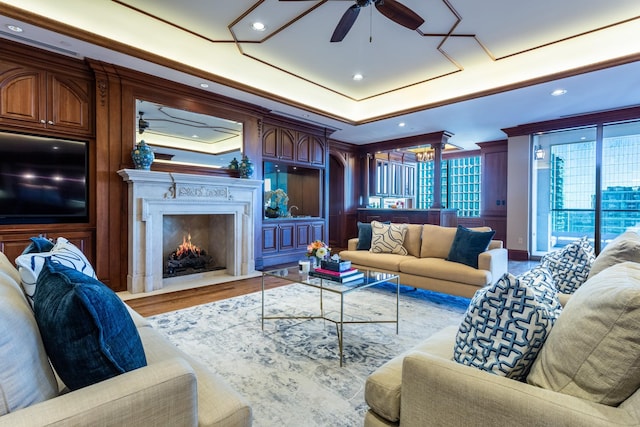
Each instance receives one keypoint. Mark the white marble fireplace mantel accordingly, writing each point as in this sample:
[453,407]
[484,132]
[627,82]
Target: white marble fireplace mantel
[155,194]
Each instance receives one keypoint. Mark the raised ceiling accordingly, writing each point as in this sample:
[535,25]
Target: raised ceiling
[472,68]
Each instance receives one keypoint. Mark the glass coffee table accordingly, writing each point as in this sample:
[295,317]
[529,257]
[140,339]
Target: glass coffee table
[371,278]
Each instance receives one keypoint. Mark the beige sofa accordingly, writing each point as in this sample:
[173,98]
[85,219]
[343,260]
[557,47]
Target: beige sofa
[425,266]
[585,361]
[172,390]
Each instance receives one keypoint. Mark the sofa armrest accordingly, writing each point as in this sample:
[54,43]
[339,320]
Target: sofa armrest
[160,394]
[352,244]
[495,261]
[441,392]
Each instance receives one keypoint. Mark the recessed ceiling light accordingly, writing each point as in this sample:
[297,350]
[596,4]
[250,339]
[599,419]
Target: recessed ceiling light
[258,26]
[204,85]
[357,77]
[402,124]
[15,28]
[558,92]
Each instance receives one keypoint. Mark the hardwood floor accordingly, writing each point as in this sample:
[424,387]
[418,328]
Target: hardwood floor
[152,305]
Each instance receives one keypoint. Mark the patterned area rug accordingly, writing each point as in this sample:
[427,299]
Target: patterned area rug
[290,372]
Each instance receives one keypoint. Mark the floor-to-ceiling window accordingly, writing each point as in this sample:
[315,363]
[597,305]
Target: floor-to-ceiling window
[586,182]
[460,185]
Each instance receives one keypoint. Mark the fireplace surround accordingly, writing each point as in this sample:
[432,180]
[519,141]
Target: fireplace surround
[152,195]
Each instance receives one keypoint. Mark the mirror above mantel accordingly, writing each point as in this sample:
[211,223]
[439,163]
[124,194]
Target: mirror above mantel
[182,137]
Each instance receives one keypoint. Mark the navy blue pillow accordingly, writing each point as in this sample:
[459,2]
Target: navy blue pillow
[468,244]
[37,245]
[364,235]
[87,331]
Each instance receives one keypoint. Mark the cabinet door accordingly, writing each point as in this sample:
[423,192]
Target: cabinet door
[382,178]
[303,235]
[269,238]
[396,179]
[317,230]
[310,150]
[22,95]
[68,104]
[286,237]
[409,181]
[270,142]
[287,144]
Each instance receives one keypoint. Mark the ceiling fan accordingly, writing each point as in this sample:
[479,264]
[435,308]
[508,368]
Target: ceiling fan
[395,11]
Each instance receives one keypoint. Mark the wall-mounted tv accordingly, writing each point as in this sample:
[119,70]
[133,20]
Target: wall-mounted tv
[43,180]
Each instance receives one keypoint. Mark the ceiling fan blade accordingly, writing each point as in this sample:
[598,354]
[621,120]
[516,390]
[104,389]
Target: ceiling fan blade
[345,24]
[399,14]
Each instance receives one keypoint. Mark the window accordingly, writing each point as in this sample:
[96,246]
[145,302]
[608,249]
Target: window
[460,185]
[588,185]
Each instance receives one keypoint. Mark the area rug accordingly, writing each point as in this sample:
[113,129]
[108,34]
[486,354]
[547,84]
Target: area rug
[290,371]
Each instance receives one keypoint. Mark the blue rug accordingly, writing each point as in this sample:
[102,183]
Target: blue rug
[290,372]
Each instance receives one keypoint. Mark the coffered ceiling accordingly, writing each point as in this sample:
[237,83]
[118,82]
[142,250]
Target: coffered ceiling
[472,68]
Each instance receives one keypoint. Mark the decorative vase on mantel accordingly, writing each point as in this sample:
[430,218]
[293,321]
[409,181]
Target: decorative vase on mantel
[142,156]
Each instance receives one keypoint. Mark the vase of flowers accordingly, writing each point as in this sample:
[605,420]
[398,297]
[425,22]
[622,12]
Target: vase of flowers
[318,251]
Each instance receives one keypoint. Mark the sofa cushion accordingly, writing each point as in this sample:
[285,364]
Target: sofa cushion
[438,268]
[388,238]
[504,328]
[540,281]
[86,329]
[382,388]
[593,351]
[570,265]
[389,262]
[437,240]
[26,377]
[64,252]
[468,244]
[625,247]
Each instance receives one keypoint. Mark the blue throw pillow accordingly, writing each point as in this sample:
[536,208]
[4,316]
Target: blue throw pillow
[37,245]
[468,244]
[86,329]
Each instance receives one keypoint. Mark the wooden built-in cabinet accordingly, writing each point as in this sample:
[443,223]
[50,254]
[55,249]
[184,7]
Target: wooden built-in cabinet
[281,143]
[443,217]
[33,98]
[392,176]
[12,243]
[287,240]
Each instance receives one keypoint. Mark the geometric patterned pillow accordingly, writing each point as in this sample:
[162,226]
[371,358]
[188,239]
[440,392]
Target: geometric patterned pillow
[539,280]
[504,328]
[388,238]
[63,252]
[570,265]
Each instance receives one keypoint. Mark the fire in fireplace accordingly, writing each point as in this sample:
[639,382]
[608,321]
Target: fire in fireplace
[188,258]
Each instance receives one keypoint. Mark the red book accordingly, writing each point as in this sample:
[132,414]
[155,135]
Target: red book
[348,272]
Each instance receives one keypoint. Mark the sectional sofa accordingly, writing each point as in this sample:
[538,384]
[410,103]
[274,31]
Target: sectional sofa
[172,389]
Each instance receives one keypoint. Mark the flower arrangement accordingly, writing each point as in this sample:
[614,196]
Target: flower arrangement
[276,197]
[318,249]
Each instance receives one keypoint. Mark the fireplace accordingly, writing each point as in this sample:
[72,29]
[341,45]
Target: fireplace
[218,212]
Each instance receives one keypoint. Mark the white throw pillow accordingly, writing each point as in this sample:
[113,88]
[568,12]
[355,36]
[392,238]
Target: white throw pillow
[506,325]
[388,238]
[64,252]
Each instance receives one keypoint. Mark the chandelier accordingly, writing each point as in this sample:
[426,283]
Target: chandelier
[425,156]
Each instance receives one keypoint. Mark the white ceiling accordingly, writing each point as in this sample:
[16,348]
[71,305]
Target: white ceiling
[473,68]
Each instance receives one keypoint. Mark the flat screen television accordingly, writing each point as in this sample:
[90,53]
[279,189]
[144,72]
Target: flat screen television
[43,180]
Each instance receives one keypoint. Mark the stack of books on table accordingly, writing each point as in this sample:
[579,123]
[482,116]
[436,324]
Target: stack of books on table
[351,276]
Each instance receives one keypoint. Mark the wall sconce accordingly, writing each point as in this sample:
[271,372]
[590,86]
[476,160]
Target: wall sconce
[539,152]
